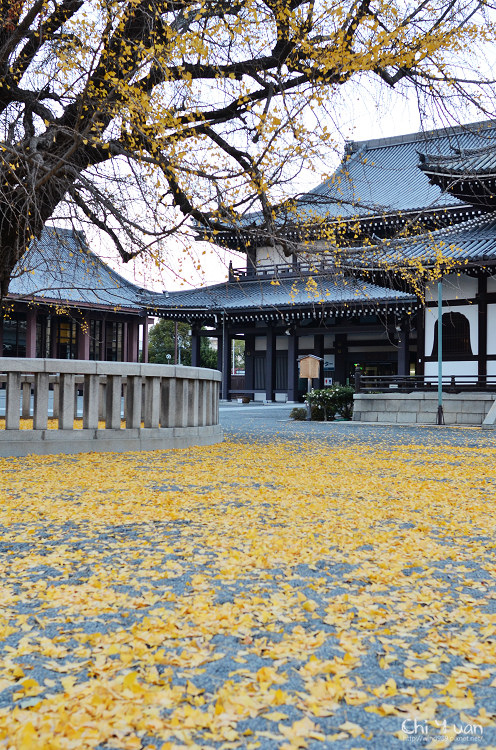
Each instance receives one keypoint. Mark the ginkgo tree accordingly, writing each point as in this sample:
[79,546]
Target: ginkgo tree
[142,116]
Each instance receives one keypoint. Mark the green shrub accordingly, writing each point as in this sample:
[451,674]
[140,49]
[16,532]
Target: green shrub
[298,413]
[345,400]
[317,414]
[330,401]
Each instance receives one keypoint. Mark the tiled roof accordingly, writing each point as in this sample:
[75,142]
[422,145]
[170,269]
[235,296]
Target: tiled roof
[470,242]
[383,176]
[60,267]
[276,295]
[468,163]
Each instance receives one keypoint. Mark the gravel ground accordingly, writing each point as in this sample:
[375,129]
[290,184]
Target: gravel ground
[271,421]
[183,608]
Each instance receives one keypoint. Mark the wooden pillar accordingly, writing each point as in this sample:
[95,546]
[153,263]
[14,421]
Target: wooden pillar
[103,339]
[31,333]
[133,340]
[226,363]
[482,328]
[54,335]
[293,375]
[319,352]
[420,359]
[1,336]
[83,338]
[250,364]
[219,353]
[270,364]
[341,354]
[125,341]
[403,367]
[195,346]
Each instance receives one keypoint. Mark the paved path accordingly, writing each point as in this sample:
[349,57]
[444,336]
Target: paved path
[268,422]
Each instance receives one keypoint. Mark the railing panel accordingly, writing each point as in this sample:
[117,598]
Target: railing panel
[113,402]
[13,401]
[91,393]
[133,402]
[152,402]
[168,403]
[182,403]
[408,383]
[66,401]
[183,398]
[202,396]
[193,403]
[41,396]
[210,402]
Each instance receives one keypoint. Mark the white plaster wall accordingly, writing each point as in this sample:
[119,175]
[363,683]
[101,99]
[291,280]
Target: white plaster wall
[491,284]
[260,344]
[491,329]
[454,287]
[491,367]
[282,343]
[305,342]
[470,312]
[270,256]
[452,368]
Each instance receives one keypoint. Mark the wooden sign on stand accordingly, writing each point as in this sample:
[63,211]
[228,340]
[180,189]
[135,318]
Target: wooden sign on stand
[310,369]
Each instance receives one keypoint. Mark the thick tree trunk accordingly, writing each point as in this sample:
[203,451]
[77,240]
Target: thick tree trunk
[26,205]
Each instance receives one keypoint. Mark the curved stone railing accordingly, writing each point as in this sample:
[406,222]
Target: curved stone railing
[123,406]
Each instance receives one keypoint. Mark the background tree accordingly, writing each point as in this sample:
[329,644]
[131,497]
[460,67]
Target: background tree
[238,354]
[139,115]
[161,342]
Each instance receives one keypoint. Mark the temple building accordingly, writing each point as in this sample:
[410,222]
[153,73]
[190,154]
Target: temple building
[64,302]
[359,256]
[351,276]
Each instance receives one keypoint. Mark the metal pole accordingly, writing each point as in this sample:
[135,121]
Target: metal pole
[224,342]
[309,405]
[440,413]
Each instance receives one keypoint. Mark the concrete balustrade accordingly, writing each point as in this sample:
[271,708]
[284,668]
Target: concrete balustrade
[143,406]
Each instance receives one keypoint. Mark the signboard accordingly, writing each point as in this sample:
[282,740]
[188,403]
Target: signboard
[327,381]
[309,367]
[329,362]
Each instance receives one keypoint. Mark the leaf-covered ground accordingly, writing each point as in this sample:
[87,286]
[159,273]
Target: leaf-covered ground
[282,595]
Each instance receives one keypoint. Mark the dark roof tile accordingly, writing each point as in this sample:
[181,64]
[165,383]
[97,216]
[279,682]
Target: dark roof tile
[61,267]
[283,294]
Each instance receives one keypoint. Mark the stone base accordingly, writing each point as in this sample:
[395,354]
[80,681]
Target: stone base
[421,408]
[17,443]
